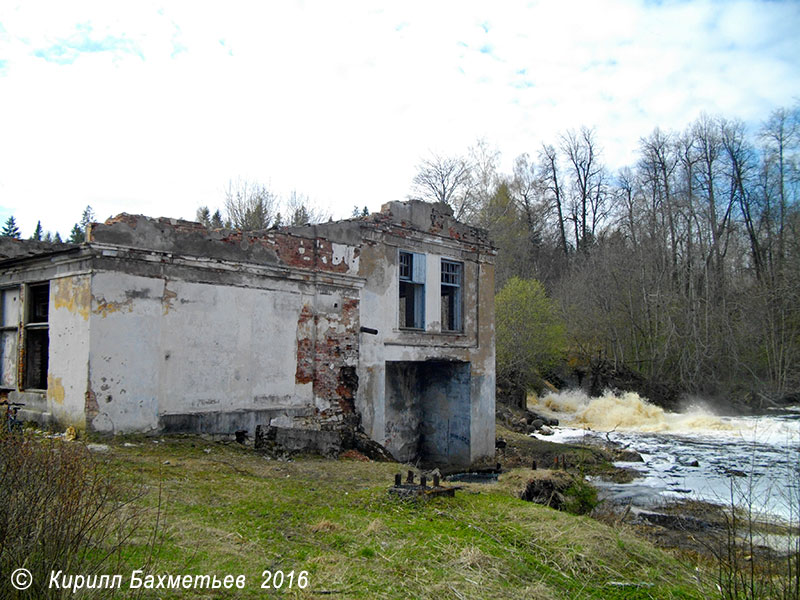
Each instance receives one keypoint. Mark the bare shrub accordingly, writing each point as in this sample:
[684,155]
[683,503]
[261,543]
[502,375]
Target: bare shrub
[59,510]
[748,566]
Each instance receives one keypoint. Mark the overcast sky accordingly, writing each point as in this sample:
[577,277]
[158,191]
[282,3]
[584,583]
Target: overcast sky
[152,107]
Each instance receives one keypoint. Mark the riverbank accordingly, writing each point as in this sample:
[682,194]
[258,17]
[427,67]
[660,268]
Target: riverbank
[743,466]
[223,509]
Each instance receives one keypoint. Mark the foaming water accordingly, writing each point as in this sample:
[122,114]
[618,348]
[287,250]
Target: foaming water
[631,412]
[691,454]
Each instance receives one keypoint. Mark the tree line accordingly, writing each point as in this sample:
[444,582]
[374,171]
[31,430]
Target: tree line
[76,236]
[249,205]
[683,267]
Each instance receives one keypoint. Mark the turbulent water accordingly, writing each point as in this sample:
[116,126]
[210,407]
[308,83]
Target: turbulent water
[695,454]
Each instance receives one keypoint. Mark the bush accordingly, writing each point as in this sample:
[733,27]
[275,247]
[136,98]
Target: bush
[58,511]
[530,334]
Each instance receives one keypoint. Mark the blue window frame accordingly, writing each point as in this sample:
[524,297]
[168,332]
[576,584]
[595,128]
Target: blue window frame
[412,290]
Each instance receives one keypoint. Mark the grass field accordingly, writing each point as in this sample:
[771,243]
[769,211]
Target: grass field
[223,510]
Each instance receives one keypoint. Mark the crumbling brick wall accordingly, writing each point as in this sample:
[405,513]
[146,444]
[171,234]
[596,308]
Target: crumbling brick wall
[327,355]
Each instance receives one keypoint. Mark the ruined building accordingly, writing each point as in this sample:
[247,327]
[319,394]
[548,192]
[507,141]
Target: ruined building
[384,322]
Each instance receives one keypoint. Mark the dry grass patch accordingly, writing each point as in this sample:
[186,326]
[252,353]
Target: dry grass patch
[325,526]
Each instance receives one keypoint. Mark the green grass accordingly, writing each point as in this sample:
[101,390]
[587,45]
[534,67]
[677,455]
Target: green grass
[226,510]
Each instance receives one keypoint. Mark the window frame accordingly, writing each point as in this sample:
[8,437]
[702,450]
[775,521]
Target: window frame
[411,274]
[454,280]
[31,325]
[11,327]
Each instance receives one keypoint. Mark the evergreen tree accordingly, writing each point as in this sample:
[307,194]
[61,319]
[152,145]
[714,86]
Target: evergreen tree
[86,218]
[76,236]
[10,229]
[57,239]
[37,233]
[78,233]
[48,237]
[203,215]
[216,220]
[300,216]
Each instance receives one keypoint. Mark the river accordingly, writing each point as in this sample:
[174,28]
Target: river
[695,454]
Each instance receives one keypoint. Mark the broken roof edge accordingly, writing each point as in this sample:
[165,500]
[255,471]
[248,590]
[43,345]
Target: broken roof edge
[291,245]
[431,218]
[16,248]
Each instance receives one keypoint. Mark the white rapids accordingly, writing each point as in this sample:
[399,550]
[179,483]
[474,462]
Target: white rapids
[751,461]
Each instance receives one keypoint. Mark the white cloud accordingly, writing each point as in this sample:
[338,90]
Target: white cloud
[340,101]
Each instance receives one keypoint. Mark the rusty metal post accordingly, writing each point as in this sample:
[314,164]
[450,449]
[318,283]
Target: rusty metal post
[398,480]
[423,481]
[435,480]
[533,466]
[410,478]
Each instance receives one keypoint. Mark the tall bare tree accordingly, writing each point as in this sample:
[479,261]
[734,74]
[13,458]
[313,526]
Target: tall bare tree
[586,190]
[550,177]
[250,206]
[446,179]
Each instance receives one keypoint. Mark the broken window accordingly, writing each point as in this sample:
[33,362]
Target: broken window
[9,332]
[412,290]
[451,295]
[37,338]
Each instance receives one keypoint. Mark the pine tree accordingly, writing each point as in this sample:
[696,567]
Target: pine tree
[10,229]
[37,233]
[203,215]
[216,220]
[48,237]
[300,216]
[57,239]
[76,236]
[86,218]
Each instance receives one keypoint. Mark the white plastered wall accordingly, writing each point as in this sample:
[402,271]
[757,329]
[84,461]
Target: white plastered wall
[167,347]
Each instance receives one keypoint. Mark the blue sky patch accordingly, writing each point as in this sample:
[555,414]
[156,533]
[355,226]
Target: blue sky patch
[67,50]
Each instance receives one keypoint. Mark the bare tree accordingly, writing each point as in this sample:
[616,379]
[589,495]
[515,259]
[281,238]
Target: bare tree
[550,177]
[780,138]
[484,180]
[658,163]
[302,211]
[741,169]
[445,179]
[249,205]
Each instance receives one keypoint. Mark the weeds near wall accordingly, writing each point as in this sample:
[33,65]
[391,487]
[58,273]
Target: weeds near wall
[59,510]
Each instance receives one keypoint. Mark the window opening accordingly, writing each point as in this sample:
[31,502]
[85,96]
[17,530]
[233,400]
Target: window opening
[412,290]
[37,336]
[451,295]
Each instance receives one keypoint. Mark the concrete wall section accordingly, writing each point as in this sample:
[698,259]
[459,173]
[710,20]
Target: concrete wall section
[187,356]
[125,356]
[69,343]
[483,367]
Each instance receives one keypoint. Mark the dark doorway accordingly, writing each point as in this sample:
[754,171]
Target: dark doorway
[428,411]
